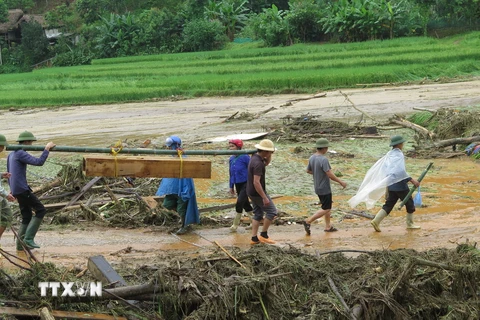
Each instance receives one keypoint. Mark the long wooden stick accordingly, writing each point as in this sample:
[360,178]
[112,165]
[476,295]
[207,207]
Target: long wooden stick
[228,254]
[340,298]
[193,244]
[355,107]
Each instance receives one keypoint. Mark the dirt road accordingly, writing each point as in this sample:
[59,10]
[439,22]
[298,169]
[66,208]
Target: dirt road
[202,118]
[451,216]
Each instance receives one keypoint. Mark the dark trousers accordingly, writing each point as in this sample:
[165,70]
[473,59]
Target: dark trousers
[394,196]
[27,202]
[242,198]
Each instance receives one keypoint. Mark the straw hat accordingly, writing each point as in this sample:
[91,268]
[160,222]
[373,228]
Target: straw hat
[266,145]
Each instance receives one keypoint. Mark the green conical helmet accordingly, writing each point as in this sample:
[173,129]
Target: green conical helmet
[26,136]
[3,140]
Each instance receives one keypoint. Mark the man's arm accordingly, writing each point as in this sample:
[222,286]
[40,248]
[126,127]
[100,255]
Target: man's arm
[29,159]
[258,187]
[333,177]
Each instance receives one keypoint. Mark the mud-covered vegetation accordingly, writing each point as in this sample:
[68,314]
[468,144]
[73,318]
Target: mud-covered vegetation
[268,282]
[263,282]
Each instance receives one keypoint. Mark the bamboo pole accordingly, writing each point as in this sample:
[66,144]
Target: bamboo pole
[415,188]
[13,147]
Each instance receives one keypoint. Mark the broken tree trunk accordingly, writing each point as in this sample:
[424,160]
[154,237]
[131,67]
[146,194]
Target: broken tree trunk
[407,124]
[451,142]
[48,186]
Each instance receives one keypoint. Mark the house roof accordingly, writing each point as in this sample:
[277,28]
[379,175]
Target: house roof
[14,17]
[35,17]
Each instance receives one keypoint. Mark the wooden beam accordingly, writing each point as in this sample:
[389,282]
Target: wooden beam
[103,271]
[143,167]
[58,314]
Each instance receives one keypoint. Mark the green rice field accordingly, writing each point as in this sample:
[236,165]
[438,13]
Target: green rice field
[302,68]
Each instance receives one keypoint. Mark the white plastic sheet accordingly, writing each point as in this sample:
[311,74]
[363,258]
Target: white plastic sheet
[386,171]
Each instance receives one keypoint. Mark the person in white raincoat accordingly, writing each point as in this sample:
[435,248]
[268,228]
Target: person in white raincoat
[388,172]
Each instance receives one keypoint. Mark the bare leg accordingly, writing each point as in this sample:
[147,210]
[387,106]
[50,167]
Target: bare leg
[327,219]
[2,229]
[266,224]
[255,225]
[318,215]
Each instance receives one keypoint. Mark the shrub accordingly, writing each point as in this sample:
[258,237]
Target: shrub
[203,35]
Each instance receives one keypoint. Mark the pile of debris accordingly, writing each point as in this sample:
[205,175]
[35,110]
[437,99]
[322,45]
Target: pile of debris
[269,282]
[309,127]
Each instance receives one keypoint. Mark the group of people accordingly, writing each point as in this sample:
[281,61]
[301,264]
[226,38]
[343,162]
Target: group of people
[31,209]
[247,182]
[247,178]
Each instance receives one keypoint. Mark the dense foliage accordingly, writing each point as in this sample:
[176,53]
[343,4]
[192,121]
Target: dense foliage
[299,68]
[125,27]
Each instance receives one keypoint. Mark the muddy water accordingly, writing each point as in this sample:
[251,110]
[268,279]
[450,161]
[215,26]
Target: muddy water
[450,215]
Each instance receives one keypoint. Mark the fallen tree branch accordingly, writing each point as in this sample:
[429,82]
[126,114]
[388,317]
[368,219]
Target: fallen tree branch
[263,112]
[315,96]
[231,117]
[343,250]
[407,124]
[362,214]
[340,298]
[48,186]
[450,142]
[355,107]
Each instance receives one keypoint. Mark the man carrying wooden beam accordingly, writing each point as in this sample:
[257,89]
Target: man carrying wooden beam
[28,202]
[180,192]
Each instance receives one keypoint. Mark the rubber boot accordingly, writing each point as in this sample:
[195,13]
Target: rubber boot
[378,218]
[236,222]
[31,231]
[21,235]
[410,224]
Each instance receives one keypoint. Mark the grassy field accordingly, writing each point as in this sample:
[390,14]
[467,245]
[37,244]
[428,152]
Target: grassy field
[248,71]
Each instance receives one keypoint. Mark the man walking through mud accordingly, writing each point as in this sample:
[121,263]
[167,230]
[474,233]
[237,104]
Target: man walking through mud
[319,167]
[256,191]
[28,202]
[388,172]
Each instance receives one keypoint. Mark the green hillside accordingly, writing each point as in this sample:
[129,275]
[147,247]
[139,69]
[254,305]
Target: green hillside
[296,69]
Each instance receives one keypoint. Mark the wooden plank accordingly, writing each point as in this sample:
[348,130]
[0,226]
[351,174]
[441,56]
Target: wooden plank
[58,314]
[144,166]
[103,271]
[84,189]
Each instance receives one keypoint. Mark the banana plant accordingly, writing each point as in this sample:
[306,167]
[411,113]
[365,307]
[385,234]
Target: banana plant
[230,14]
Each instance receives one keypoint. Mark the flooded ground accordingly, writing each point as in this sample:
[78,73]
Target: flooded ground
[449,215]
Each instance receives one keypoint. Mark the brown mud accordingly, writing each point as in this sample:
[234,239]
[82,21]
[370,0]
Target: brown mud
[449,216]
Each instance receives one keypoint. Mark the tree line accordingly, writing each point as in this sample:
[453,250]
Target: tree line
[106,29]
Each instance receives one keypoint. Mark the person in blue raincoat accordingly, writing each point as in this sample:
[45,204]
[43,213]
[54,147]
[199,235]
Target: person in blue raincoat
[180,193]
